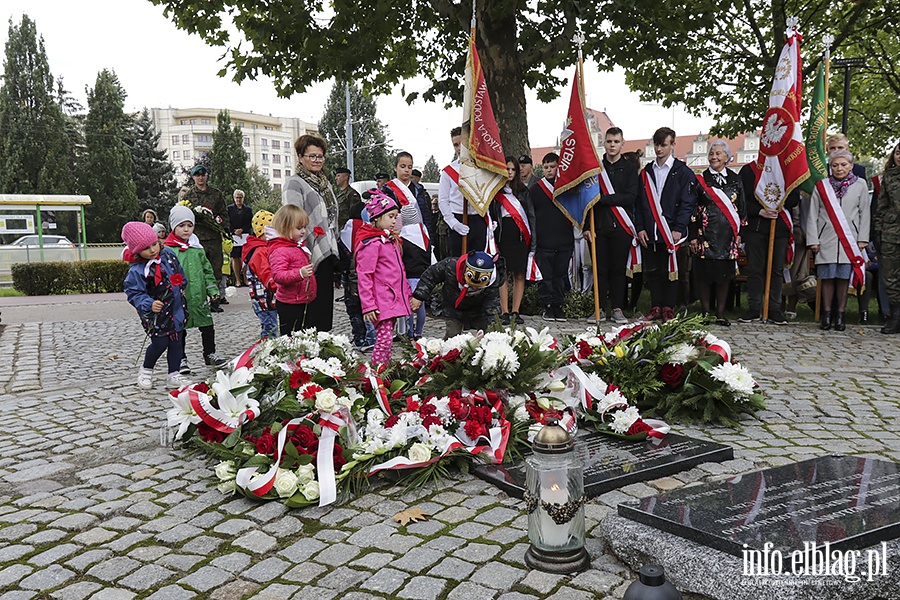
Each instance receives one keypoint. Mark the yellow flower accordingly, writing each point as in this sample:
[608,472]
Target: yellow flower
[619,351]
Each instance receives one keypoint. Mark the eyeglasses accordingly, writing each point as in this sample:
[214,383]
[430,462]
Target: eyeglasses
[315,157]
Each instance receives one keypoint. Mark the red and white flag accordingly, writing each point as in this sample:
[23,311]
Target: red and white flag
[782,164]
[482,163]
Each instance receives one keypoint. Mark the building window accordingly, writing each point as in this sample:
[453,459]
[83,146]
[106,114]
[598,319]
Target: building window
[265,159]
[255,126]
[751,144]
[276,158]
[264,142]
[184,121]
[186,139]
[265,172]
[276,145]
[204,121]
[287,159]
[276,187]
[276,173]
[187,155]
[240,124]
[175,140]
[176,155]
[205,138]
[193,121]
[269,128]
[246,142]
[287,172]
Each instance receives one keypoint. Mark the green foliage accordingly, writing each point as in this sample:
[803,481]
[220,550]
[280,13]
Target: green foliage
[58,278]
[530,303]
[371,152]
[228,159]
[259,192]
[431,172]
[154,175]
[108,175]
[578,305]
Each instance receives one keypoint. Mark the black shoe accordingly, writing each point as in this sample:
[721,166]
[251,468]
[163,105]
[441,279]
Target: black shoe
[839,324]
[216,308]
[223,300]
[776,318]
[749,316]
[723,322]
[559,314]
[185,369]
[863,317]
[825,324]
[214,360]
[893,322]
[504,319]
[518,318]
[548,314]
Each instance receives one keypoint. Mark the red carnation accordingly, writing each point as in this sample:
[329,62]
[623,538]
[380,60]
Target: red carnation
[391,421]
[474,429]
[427,409]
[672,375]
[611,388]
[457,409]
[265,444]
[304,437]
[310,392]
[299,377]
[318,231]
[482,414]
[411,405]
[176,279]
[584,349]
[431,420]
[213,436]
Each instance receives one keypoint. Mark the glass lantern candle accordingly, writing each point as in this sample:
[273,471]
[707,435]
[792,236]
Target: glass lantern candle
[554,498]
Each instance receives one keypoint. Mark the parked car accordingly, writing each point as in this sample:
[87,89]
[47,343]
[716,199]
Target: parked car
[33,241]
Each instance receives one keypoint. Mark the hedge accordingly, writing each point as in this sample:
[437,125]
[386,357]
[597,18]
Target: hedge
[58,278]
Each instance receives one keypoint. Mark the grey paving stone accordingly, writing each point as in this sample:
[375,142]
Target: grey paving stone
[233,562]
[113,594]
[206,578]
[127,541]
[423,588]
[284,527]
[114,568]
[498,576]
[256,542]
[267,570]
[541,582]
[400,544]
[234,526]
[516,596]
[338,554]
[94,536]
[14,552]
[452,568]
[146,577]
[47,578]
[567,593]
[303,549]
[304,573]
[54,555]
[178,534]
[445,543]
[425,528]
[172,592]
[332,536]
[385,580]
[202,544]
[83,561]
[180,562]
[315,593]
[455,514]
[505,535]
[344,578]
[18,595]
[17,532]
[236,590]
[76,591]
[516,554]
[371,536]
[470,530]
[46,536]
[477,552]
[471,591]
[498,515]
[373,560]
[276,591]
[418,561]
[595,581]
[149,553]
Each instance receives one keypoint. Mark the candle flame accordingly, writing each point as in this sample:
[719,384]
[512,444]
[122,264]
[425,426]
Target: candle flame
[555,487]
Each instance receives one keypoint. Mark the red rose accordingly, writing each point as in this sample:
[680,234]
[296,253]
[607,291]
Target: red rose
[176,279]
[200,387]
[474,429]
[584,349]
[299,377]
[638,427]
[391,421]
[304,437]
[318,231]
[427,409]
[265,444]
[452,355]
[339,461]
[672,375]
[411,405]
[209,434]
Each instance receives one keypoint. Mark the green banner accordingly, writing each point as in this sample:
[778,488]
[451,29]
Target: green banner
[815,135]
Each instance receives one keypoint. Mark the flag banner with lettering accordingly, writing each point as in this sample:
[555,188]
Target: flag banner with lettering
[577,187]
[782,157]
[815,135]
[482,163]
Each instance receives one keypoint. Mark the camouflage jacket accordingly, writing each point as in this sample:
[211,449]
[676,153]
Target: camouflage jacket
[887,212]
[212,199]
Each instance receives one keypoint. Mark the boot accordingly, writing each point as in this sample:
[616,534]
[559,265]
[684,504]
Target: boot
[825,325]
[839,324]
[893,323]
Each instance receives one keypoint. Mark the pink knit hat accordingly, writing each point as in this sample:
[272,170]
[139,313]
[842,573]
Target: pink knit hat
[379,203]
[138,236]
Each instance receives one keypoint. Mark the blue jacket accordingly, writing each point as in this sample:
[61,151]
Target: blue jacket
[142,291]
[678,201]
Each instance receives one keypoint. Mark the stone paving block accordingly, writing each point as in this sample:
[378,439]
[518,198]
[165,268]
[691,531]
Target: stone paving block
[541,582]
[315,593]
[373,560]
[145,509]
[47,578]
[14,552]
[202,544]
[122,523]
[418,561]
[178,534]
[256,542]
[17,532]
[516,596]
[595,581]
[516,554]
[113,594]
[332,536]
[498,515]
[471,591]
[234,526]
[233,563]
[18,595]
[452,568]
[337,555]
[423,588]
[567,593]
[180,562]
[76,591]
[425,528]
[94,536]
[455,514]
[236,590]
[445,543]
[477,553]
[172,592]
[149,553]
[267,570]
[304,548]
[304,573]
[385,580]
[53,555]
[372,535]
[470,530]
[163,523]
[284,527]
[400,544]
[363,519]
[47,536]
[206,578]
[114,568]
[83,561]
[146,577]
[505,535]
[344,578]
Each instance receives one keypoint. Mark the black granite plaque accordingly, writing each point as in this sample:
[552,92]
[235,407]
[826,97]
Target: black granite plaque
[848,502]
[611,463]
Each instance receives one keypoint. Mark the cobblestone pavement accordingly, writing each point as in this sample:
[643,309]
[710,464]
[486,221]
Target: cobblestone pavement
[92,505]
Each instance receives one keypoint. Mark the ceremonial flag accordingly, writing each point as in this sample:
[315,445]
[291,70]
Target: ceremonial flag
[577,187]
[782,161]
[482,163]
[815,136]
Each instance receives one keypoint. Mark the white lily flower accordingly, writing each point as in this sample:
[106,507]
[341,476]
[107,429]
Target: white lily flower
[182,415]
[543,338]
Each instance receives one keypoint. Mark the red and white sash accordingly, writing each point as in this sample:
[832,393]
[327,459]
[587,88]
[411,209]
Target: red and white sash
[726,206]
[786,217]
[661,224]
[876,187]
[517,212]
[402,192]
[842,228]
[546,186]
[634,257]
[416,234]
[453,173]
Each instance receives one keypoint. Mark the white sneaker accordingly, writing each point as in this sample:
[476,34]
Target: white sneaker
[177,380]
[145,378]
[185,369]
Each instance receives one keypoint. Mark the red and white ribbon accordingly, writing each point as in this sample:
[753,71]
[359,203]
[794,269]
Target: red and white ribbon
[634,256]
[259,484]
[517,213]
[331,424]
[724,203]
[722,348]
[661,224]
[842,228]
[532,272]
[214,417]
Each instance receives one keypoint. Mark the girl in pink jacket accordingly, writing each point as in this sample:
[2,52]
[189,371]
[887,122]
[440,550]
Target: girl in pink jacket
[291,268]
[383,290]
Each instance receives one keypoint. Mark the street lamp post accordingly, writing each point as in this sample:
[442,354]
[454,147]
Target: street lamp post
[847,64]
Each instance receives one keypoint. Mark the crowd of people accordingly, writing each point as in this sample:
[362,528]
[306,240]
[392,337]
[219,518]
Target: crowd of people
[679,233]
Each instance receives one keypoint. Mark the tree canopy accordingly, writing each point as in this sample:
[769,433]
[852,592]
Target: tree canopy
[431,172]
[713,57]
[228,159]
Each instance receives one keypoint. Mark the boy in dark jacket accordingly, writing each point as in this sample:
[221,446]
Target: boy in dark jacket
[555,242]
[470,294]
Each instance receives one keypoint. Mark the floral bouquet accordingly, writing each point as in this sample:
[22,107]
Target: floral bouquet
[204,217]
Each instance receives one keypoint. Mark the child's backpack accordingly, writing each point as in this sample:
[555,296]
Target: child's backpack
[258,291]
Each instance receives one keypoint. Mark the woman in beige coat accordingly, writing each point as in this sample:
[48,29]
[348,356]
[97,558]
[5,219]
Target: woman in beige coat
[833,267]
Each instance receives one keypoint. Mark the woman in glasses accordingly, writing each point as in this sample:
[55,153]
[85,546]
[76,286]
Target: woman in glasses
[310,190]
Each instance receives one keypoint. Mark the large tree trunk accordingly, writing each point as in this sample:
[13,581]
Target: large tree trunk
[497,44]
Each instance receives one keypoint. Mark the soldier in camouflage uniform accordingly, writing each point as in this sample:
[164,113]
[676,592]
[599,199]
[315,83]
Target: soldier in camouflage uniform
[887,231]
[346,196]
[202,194]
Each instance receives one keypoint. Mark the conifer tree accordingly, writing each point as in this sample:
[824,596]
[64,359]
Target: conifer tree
[431,172]
[108,170]
[228,159]
[154,175]
[371,152]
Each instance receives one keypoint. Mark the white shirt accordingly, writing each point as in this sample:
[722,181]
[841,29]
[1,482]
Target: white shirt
[450,199]
[661,173]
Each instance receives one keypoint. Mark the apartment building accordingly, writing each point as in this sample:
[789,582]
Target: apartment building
[186,134]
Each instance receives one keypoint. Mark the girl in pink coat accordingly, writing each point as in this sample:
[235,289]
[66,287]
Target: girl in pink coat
[383,290]
[291,268]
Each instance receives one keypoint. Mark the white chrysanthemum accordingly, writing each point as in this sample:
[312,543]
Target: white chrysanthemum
[736,377]
[496,336]
[331,367]
[516,401]
[624,419]
[597,381]
[497,357]
[439,438]
[521,414]
[613,398]
[442,406]
[681,353]
[457,342]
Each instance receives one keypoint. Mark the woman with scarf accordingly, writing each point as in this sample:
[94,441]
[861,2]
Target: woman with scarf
[835,223]
[310,190]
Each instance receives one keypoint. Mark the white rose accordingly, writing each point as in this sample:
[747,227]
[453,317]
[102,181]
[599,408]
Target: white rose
[310,490]
[228,488]
[305,473]
[326,400]
[345,401]
[419,452]
[285,483]
[225,470]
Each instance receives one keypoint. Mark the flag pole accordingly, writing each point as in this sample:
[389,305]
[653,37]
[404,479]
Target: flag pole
[828,39]
[465,208]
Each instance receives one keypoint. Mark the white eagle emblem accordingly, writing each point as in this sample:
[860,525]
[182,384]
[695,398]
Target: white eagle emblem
[773,130]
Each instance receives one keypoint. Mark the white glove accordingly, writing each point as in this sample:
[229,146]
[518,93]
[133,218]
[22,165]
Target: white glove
[461,228]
